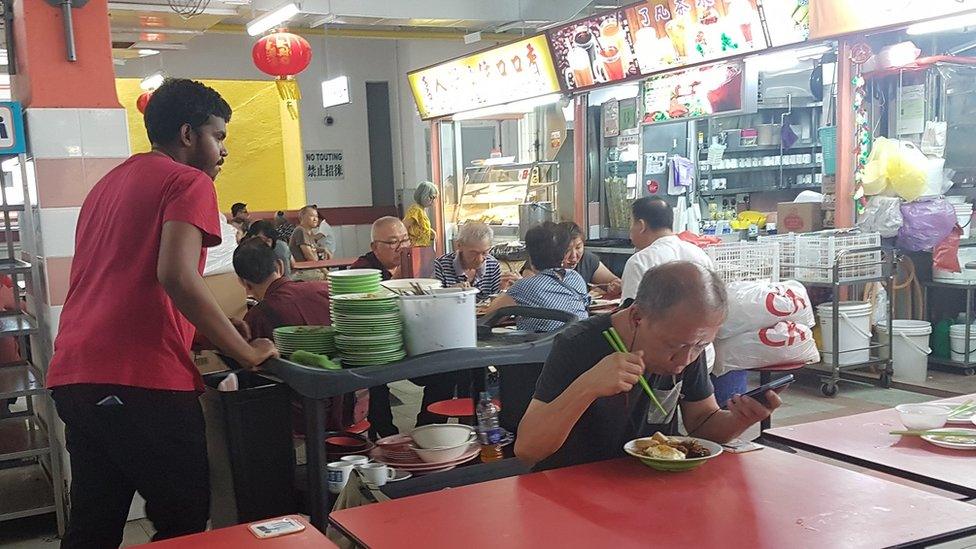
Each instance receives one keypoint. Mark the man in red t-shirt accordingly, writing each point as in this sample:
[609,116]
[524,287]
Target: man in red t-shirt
[123,379]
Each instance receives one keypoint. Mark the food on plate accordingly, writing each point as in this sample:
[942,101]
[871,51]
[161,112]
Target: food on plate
[660,446]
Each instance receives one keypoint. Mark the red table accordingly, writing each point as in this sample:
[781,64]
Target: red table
[765,498]
[239,537]
[336,262]
[863,440]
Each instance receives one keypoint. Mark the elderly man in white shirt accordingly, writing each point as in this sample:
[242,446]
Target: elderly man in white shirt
[652,235]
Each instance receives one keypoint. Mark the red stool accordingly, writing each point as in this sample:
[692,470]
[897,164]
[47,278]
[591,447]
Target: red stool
[765,376]
[456,407]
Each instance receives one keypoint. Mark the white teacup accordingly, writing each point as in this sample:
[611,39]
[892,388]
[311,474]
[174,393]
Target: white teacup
[338,475]
[377,473]
[355,460]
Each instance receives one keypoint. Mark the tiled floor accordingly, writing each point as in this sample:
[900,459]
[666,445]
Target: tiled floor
[802,403]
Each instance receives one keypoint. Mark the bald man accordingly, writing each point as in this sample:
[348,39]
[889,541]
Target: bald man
[388,238]
[587,403]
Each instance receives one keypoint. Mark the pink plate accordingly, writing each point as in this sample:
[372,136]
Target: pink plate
[419,466]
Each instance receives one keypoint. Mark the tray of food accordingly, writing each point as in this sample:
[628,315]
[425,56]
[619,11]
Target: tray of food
[672,453]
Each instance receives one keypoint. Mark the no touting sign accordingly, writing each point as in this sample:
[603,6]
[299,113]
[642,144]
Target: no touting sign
[324,166]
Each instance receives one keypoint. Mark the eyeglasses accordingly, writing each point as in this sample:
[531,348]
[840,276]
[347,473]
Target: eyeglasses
[396,243]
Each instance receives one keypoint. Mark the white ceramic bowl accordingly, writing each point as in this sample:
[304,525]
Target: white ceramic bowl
[442,455]
[922,417]
[445,435]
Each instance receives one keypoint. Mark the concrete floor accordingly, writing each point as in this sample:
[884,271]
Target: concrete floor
[801,403]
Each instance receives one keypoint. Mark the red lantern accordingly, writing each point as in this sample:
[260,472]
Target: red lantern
[282,54]
[143,101]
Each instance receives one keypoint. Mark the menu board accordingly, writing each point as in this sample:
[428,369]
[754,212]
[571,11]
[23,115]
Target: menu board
[692,93]
[653,36]
[516,71]
[835,17]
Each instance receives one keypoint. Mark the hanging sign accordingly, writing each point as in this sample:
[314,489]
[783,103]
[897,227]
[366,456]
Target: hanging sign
[513,72]
[11,128]
[693,93]
[611,118]
[324,166]
[836,17]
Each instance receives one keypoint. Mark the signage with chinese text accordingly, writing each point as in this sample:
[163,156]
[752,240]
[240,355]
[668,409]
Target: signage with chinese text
[513,72]
[836,17]
[324,166]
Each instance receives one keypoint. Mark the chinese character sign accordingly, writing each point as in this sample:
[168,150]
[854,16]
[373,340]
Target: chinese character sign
[323,166]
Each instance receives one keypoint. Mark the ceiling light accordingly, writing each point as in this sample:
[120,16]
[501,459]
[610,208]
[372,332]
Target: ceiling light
[148,52]
[272,19]
[152,81]
[516,107]
[944,24]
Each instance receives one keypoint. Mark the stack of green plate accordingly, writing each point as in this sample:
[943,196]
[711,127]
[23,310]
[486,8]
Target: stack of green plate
[369,330]
[354,281]
[314,339]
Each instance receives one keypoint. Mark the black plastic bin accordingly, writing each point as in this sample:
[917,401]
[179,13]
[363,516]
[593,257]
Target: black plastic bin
[249,441]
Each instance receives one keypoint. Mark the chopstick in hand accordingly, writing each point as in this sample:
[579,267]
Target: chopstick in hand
[617,344]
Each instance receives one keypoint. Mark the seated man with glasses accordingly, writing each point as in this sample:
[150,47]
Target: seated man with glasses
[588,402]
[389,237]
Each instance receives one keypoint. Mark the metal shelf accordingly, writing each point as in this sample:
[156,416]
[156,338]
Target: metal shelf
[11,207]
[22,439]
[14,266]
[749,190]
[764,148]
[16,325]
[26,492]
[762,169]
[950,285]
[17,381]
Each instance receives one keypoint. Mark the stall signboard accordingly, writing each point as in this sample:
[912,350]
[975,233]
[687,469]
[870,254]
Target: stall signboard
[658,35]
[836,17]
[695,92]
[324,165]
[11,128]
[513,72]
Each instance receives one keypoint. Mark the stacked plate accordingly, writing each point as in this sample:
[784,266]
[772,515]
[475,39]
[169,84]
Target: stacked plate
[414,465]
[313,339]
[354,281]
[369,330]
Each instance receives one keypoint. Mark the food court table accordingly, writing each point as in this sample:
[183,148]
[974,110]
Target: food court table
[239,537]
[764,498]
[334,263]
[863,440]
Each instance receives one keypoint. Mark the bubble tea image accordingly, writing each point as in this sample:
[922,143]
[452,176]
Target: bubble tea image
[677,30]
[580,67]
[612,64]
[612,35]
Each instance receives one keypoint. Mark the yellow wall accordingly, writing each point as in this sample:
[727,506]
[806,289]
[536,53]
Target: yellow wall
[264,165]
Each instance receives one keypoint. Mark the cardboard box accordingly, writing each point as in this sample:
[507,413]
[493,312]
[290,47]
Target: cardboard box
[230,295]
[804,217]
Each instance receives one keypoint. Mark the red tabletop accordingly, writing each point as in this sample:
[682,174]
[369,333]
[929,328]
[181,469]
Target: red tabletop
[325,263]
[765,498]
[863,439]
[239,537]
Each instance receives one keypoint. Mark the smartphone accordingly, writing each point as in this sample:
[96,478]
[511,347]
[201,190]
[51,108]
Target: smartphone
[276,527]
[759,393]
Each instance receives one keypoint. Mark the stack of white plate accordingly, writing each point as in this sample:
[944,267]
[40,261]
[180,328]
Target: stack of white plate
[369,329]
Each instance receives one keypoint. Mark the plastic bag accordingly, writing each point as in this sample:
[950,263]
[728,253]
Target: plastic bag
[755,305]
[908,171]
[875,176]
[945,255]
[925,224]
[882,215]
[783,343]
[220,258]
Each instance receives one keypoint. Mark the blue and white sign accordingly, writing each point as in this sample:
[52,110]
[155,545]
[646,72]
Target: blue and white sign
[11,128]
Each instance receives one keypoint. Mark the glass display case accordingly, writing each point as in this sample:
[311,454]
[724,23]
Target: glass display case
[494,193]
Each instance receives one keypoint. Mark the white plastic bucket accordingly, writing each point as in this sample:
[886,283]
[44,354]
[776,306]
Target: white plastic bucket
[964,216]
[910,347]
[957,342]
[443,320]
[854,331]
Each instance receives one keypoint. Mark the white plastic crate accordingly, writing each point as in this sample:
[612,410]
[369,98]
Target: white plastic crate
[737,261]
[816,254]
[787,253]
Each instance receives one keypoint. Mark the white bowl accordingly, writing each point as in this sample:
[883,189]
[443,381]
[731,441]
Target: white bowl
[922,417]
[444,435]
[442,455]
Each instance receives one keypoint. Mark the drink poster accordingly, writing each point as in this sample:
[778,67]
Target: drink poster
[693,93]
[512,72]
[592,51]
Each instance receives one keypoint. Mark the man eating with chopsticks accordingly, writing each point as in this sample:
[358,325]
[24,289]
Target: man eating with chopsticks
[616,377]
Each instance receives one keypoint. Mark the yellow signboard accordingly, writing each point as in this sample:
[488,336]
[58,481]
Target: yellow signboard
[515,71]
[837,17]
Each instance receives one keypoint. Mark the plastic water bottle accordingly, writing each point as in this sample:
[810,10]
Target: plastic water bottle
[489,433]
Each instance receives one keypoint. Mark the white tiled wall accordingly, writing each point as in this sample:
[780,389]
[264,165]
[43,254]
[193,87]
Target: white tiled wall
[70,133]
[351,240]
[58,229]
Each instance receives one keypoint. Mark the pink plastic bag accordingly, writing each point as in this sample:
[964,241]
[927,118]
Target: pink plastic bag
[945,255]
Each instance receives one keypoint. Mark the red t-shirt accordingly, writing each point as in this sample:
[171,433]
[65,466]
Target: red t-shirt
[118,325]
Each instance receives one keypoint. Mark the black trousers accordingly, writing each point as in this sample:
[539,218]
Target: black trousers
[380,414]
[149,441]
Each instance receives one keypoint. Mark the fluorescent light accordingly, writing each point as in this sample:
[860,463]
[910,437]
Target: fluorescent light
[335,91]
[516,107]
[272,19]
[148,52]
[152,81]
[944,24]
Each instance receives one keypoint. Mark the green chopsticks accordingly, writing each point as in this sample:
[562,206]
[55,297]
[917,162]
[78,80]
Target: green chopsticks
[963,408]
[617,344]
